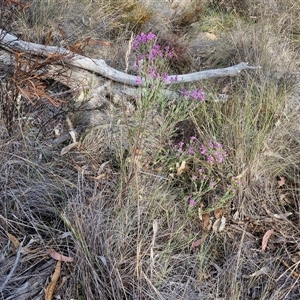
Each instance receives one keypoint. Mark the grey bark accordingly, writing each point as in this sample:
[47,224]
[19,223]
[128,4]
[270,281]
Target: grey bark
[12,43]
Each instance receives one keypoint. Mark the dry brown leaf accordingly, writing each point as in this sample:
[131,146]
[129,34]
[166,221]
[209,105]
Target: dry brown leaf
[262,271]
[284,200]
[226,88]
[219,224]
[282,216]
[17,244]
[236,215]
[222,225]
[73,135]
[51,286]
[281,182]
[218,212]
[265,239]
[211,36]
[96,42]
[14,240]
[26,250]
[101,176]
[68,148]
[206,222]
[197,243]
[200,213]
[216,225]
[58,256]
[182,168]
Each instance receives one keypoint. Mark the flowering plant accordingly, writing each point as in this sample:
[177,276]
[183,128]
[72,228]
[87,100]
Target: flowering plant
[201,164]
[198,163]
[152,71]
[151,59]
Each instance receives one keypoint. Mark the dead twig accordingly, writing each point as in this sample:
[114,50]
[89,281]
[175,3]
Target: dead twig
[294,273]
[8,277]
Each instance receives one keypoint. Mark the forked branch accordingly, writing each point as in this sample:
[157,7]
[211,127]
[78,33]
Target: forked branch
[12,43]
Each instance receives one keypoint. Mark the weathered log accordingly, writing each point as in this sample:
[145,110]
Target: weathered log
[12,43]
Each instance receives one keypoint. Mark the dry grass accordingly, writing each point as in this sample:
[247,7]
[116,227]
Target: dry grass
[111,203]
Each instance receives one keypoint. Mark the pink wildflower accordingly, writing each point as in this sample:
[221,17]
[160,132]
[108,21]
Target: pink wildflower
[210,159]
[191,151]
[138,80]
[192,202]
[203,150]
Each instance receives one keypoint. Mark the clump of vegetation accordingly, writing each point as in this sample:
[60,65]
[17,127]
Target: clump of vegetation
[237,6]
[187,13]
[200,168]
[129,16]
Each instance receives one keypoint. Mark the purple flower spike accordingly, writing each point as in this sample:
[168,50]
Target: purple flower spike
[138,80]
[212,184]
[152,72]
[210,159]
[184,93]
[194,95]
[143,39]
[165,77]
[191,151]
[203,150]
[151,36]
[192,202]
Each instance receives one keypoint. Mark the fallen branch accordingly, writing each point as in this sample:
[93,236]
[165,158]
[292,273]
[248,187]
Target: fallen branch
[12,43]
